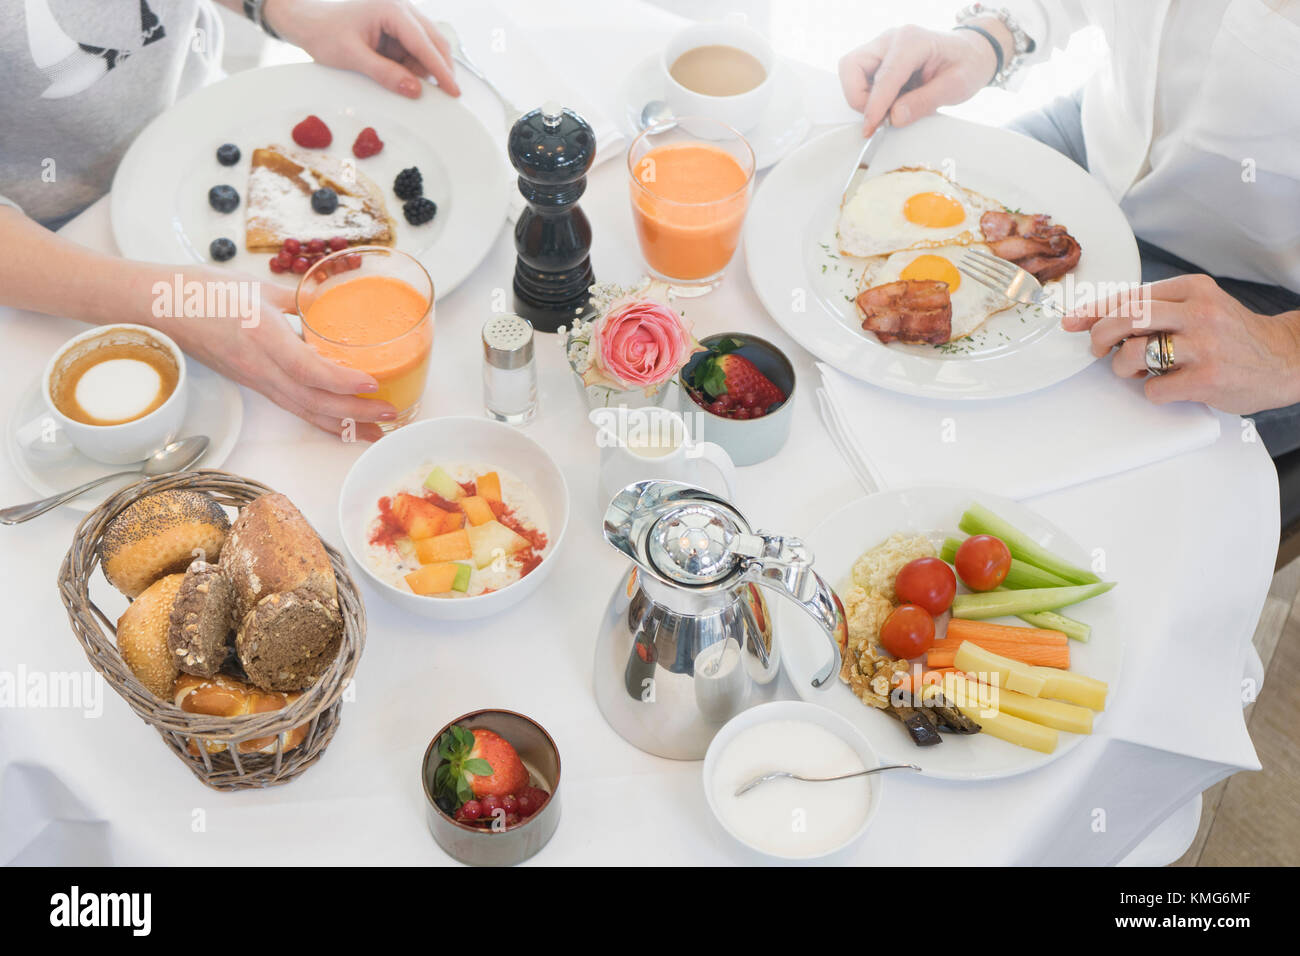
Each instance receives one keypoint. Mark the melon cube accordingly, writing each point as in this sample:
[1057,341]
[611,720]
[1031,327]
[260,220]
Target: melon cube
[489,486]
[418,518]
[453,546]
[492,540]
[477,509]
[461,584]
[444,485]
[433,578]
[454,522]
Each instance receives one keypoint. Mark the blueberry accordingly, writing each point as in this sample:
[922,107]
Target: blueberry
[227,154]
[419,211]
[223,198]
[324,201]
[221,249]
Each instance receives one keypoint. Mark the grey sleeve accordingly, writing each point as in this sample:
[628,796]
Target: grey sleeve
[6,201]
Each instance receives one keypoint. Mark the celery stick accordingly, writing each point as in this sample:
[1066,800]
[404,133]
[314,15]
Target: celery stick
[979,520]
[1020,576]
[1076,630]
[979,607]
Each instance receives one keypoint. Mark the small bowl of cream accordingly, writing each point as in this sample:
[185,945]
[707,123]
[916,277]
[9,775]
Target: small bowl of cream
[792,819]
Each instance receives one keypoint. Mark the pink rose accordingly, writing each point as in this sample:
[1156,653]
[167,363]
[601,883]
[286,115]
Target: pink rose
[638,343]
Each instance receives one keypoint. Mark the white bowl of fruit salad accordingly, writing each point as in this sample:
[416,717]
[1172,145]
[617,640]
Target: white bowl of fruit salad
[454,518]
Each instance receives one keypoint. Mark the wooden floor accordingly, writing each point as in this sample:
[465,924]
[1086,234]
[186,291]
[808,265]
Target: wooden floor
[1253,819]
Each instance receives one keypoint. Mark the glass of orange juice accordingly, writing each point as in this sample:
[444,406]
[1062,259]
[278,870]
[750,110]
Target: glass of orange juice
[370,308]
[690,186]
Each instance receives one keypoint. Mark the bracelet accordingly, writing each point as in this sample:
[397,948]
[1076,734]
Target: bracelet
[253,9]
[993,42]
[1023,44]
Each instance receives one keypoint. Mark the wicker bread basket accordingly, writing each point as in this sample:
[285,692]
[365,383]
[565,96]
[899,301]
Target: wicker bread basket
[318,706]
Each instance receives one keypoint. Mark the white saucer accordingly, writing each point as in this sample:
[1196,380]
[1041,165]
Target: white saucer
[215,409]
[783,127]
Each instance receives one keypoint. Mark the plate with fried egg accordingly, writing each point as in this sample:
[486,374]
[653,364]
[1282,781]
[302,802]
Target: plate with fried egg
[870,281]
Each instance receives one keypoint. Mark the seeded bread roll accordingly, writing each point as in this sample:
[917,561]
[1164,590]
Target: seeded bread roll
[223,696]
[202,620]
[161,534]
[142,636]
[271,549]
[288,640]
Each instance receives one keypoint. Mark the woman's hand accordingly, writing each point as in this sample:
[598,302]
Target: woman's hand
[929,68]
[265,354]
[1225,355]
[387,40]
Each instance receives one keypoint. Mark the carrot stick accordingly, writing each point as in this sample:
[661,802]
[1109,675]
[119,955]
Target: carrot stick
[928,676]
[963,629]
[944,653]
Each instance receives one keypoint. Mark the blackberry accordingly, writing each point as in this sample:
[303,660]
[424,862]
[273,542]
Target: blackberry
[324,201]
[223,198]
[409,184]
[221,249]
[227,154]
[419,211]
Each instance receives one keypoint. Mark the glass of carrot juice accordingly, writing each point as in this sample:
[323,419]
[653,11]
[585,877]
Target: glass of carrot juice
[370,308]
[690,185]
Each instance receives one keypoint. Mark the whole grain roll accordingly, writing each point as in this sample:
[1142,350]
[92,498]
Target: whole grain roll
[142,636]
[272,549]
[158,535]
[202,620]
[288,640]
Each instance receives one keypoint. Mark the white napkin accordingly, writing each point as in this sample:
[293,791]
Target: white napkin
[525,63]
[1087,427]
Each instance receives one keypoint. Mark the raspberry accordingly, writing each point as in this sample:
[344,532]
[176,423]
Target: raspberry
[419,211]
[368,143]
[312,133]
[409,184]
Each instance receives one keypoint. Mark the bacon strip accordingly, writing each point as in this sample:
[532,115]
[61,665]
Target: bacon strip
[910,310]
[1032,242]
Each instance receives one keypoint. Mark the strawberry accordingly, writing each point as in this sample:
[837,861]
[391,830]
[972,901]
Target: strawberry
[312,133]
[477,763]
[368,143]
[729,384]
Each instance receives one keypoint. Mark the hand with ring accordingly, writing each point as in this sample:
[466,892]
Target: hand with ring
[1214,351]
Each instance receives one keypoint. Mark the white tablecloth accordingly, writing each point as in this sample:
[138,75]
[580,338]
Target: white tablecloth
[1191,539]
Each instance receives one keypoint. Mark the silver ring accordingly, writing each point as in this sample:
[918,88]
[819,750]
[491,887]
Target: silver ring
[1159,353]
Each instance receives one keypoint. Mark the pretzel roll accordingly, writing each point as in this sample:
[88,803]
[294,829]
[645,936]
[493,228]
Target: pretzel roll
[223,696]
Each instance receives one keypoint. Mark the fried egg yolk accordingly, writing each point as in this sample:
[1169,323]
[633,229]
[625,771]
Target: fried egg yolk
[935,268]
[934,210]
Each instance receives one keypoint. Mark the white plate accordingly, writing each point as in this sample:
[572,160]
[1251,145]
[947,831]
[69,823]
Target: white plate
[808,288]
[934,511]
[215,409]
[160,204]
[783,126]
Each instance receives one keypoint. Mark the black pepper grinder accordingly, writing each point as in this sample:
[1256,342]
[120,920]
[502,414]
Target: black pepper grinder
[552,148]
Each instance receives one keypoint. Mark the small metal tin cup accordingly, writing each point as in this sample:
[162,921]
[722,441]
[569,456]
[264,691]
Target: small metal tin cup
[484,847]
[747,440]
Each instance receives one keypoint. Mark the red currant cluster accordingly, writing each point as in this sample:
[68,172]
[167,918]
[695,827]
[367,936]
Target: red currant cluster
[298,256]
[745,405]
[517,807]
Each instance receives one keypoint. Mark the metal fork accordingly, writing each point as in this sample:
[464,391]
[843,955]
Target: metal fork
[1008,279]
[460,56]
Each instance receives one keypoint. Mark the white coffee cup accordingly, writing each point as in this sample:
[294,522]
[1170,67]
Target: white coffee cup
[743,111]
[55,434]
[640,443]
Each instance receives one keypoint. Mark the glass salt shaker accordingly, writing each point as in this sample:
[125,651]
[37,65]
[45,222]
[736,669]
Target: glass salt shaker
[509,372]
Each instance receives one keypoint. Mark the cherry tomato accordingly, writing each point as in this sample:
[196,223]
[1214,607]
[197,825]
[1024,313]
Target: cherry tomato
[982,562]
[908,631]
[928,582]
